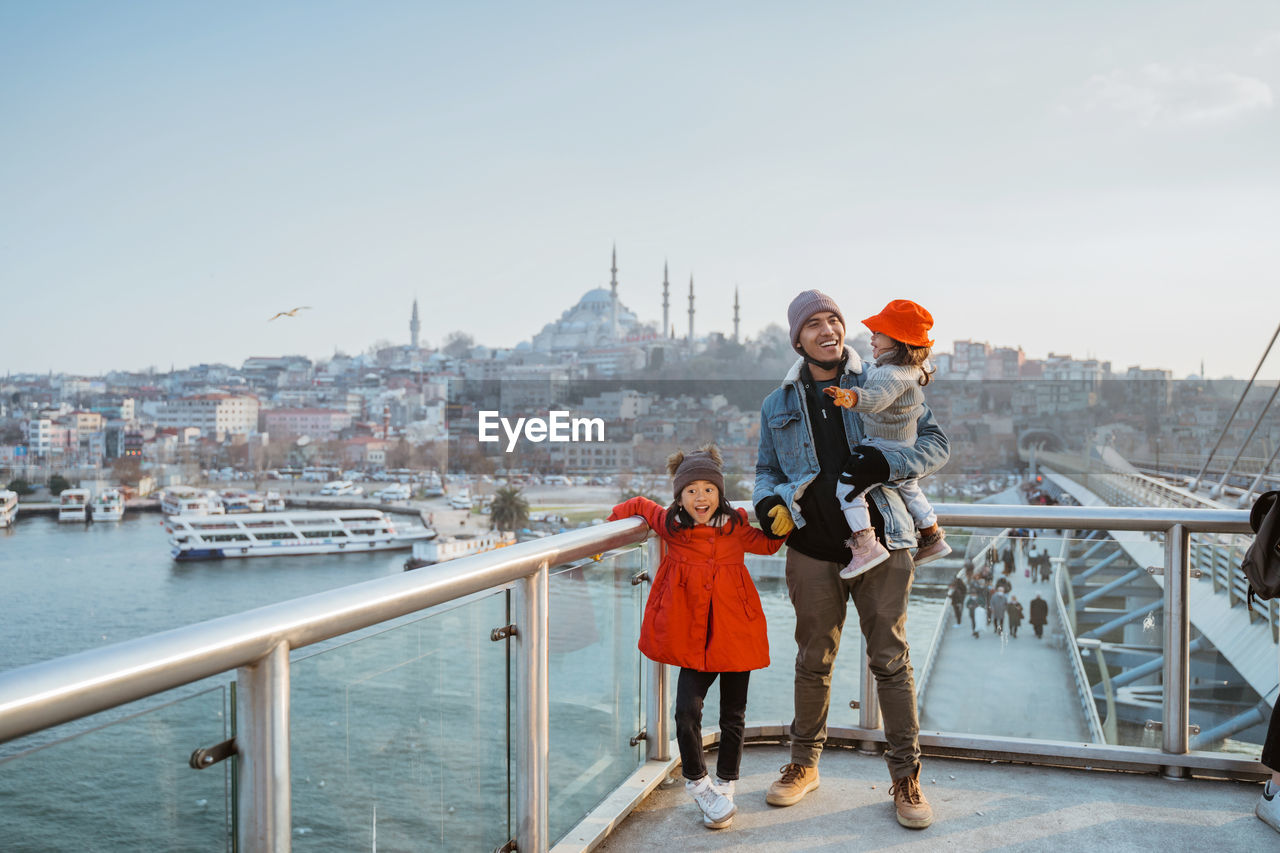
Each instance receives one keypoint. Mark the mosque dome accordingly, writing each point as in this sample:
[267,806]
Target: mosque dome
[589,324]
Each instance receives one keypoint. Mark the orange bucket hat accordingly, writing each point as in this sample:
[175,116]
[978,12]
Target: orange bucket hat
[903,320]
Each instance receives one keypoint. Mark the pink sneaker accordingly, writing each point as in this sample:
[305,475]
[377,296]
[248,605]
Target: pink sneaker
[933,545]
[867,554]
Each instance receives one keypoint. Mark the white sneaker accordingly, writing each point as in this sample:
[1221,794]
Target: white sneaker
[717,809]
[1268,808]
[726,789]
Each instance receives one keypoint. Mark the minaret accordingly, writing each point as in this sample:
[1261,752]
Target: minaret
[613,286]
[414,325]
[666,300]
[735,314]
[690,309]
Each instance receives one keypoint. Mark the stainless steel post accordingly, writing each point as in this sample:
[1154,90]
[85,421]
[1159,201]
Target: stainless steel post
[658,698]
[262,744]
[1177,654]
[869,707]
[532,712]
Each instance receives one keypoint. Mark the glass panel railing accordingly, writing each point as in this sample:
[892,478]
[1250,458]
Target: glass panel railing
[69,794]
[975,679]
[595,682]
[399,738]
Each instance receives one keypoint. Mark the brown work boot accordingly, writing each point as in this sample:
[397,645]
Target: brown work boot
[914,811]
[796,781]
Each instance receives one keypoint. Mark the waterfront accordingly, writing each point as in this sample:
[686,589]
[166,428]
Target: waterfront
[381,726]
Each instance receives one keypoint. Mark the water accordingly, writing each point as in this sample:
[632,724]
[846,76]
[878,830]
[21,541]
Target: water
[380,727]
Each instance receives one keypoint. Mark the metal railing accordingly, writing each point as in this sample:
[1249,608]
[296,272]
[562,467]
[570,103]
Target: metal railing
[1216,554]
[257,643]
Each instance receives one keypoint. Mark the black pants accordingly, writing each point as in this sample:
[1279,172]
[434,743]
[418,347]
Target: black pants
[1271,746]
[691,690]
[1039,629]
[956,606]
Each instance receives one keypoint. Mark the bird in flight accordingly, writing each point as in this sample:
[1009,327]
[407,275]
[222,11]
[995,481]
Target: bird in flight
[293,313]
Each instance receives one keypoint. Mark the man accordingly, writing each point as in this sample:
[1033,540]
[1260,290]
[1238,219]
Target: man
[1039,614]
[805,442]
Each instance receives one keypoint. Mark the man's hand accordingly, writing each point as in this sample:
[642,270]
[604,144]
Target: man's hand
[865,468]
[845,398]
[774,517]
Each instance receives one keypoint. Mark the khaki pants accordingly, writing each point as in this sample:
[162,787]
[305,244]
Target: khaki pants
[820,598]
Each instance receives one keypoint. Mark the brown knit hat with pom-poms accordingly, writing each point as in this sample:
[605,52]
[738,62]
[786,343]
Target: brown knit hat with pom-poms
[701,464]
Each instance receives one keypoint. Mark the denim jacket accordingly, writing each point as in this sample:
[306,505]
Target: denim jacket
[787,462]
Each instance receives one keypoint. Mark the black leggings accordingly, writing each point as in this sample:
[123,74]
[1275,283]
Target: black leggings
[691,690]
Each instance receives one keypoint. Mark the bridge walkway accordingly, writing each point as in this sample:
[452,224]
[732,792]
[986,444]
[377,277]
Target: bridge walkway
[996,684]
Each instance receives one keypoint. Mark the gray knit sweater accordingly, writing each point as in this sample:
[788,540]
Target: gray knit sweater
[890,402]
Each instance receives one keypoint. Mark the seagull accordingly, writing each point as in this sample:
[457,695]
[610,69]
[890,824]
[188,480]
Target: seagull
[293,313]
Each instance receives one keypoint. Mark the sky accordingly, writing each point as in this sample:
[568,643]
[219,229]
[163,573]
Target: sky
[1100,179]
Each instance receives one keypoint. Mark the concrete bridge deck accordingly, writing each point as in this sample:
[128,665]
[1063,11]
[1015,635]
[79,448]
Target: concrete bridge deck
[978,805]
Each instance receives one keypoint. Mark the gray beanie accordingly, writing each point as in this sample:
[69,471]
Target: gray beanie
[804,306]
[701,464]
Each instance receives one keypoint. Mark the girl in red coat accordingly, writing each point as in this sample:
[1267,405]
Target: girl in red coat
[704,616]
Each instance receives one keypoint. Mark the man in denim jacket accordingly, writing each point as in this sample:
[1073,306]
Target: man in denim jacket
[805,443]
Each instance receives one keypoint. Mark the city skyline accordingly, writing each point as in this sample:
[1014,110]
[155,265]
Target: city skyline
[1073,181]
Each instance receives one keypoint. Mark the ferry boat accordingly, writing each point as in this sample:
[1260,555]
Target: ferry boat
[234,501]
[184,500]
[211,537]
[108,506]
[8,507]
[273,503]
[73,505]
[432,551]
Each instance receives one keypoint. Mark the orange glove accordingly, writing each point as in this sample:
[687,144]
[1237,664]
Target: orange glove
[846,398]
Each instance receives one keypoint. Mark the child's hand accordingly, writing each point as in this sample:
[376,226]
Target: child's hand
[846,398]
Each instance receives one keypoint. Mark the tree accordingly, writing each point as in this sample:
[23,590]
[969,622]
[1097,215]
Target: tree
[127,470]
[20,486]
[458,345]
[509,511]
[57,483]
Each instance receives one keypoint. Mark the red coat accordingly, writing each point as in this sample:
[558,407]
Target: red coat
[703,610]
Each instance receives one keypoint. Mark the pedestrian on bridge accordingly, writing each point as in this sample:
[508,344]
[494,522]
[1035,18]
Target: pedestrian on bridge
[998,605]
[1039,614]
[1014,612]
[957,594]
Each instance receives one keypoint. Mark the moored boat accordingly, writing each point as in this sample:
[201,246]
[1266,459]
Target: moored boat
[184,500]
[211,537]
[107,506]
[73,505]
[234,501]
[273,503]
[438,550]
[8,507]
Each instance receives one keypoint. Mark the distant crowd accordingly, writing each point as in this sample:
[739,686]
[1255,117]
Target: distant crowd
[986,591]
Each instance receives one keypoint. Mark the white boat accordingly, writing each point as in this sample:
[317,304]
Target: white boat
[184,500]
[73,505]
[8,507]
[273,503]
[256,503]
[234,501]
[432,551]
[108,506]
[211,537]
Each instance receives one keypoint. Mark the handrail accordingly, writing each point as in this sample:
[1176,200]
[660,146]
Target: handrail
[41,695]
[1084,691]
